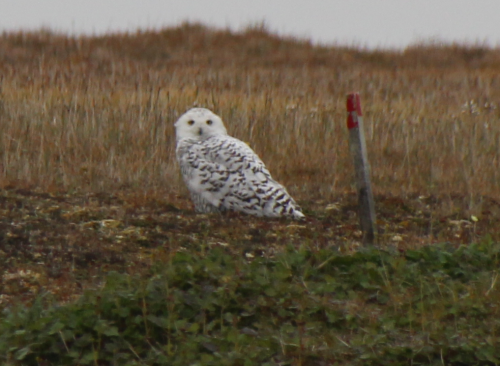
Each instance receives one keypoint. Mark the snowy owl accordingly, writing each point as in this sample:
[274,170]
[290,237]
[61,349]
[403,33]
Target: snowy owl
[223,173]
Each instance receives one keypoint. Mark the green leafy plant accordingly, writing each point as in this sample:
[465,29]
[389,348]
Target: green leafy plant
[299,307]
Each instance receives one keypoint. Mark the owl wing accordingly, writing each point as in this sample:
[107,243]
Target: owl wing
[215,168]
[227,173]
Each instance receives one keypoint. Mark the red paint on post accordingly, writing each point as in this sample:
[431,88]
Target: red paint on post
[354,103]
[353,110]
[352,121]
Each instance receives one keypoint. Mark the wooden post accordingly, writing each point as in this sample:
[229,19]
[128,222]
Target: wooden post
[357,145]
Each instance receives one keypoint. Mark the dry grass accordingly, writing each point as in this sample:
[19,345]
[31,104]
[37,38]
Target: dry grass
[96,114]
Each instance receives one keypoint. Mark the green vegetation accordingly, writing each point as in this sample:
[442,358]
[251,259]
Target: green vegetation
[434,305]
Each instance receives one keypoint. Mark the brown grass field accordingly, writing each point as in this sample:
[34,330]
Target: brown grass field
[87,163]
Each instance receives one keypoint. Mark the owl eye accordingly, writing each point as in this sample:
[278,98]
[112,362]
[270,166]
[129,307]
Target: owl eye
[191,122]
[209,122]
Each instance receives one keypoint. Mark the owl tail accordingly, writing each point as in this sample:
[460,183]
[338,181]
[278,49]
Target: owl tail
[297,215]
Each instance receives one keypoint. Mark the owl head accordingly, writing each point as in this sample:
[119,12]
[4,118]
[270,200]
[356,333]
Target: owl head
[199,124]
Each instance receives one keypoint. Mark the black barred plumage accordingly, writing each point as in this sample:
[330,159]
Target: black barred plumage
[223,173]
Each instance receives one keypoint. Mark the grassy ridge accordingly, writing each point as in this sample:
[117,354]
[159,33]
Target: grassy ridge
[301,307]
[97,113]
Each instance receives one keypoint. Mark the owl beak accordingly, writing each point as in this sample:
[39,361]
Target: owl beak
[200,131]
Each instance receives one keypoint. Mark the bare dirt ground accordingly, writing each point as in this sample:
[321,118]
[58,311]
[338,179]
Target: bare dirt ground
[63,244]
